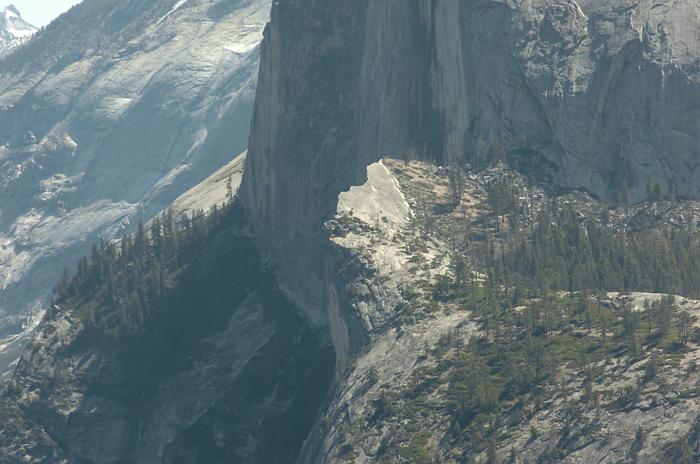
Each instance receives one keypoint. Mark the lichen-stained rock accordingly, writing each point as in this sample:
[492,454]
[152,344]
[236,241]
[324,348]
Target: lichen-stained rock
[599,94]
[351,429]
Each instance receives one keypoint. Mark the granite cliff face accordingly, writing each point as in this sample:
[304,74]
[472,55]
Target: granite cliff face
[393,401]
[602,95]
[106,116]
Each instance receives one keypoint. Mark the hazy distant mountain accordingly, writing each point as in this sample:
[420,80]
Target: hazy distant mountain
[107,115]
[13,29]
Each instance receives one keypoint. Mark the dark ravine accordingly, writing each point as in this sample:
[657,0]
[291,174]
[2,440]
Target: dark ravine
[223,368]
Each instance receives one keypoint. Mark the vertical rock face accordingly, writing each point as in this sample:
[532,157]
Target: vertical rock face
[302,133]
[604,94]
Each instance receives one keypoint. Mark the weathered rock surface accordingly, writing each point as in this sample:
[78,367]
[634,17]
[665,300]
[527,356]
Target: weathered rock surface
[602,94]
[216,190]
[378,270]
[106,117]
[242,376]
[225,370]
[377,413]
[665,413]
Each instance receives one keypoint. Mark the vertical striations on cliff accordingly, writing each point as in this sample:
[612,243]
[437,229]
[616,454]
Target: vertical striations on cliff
[603,95]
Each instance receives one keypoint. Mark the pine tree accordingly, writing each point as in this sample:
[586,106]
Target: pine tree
[455,179]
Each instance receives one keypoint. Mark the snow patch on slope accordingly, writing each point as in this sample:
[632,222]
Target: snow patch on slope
[13,29]
[172,10]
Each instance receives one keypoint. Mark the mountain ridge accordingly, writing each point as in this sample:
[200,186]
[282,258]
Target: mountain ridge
[13,29]
[431,305]
[107,122]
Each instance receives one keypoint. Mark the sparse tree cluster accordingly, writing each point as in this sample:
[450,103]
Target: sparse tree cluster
[123,279]
[540,294]
[566,252]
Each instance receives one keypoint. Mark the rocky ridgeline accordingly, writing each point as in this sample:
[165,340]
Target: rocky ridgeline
[219,367]
[408,253]
[106,117]
[394,399]
[443,353]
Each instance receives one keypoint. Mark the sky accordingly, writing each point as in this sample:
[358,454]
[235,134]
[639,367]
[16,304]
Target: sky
[40,12]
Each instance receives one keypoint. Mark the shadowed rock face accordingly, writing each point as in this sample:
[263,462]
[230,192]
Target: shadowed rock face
[225,370]
[106,116]
[605,93]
